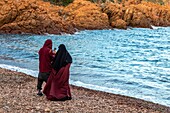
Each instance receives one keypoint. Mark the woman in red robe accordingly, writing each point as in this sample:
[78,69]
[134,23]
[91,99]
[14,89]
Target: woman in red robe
[57,86]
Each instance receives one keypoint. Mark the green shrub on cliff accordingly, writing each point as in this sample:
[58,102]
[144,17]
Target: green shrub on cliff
[161,2]
[66,2]
[60,2]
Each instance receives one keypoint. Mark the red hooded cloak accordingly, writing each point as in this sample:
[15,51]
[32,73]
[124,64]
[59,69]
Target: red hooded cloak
[46,57]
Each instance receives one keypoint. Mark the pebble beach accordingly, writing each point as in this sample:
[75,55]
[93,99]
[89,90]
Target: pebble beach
[18,95]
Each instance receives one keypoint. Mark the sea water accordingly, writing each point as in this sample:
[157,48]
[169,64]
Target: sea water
[133,62]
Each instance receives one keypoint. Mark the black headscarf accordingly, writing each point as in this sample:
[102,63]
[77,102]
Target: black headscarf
[62,58]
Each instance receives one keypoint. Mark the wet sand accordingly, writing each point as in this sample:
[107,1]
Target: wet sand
[18,95]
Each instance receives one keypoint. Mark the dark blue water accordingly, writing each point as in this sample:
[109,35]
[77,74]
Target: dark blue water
[133,62]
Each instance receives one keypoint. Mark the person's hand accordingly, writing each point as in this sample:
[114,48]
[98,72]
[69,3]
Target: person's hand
[54,51]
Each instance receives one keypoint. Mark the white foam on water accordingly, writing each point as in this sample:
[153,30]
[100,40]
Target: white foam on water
[98,88]
[156,27]
[50,34]
[18,69]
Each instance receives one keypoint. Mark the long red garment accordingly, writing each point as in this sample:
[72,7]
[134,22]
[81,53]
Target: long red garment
[57,86]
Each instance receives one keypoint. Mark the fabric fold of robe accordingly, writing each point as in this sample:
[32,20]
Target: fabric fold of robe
[57,86]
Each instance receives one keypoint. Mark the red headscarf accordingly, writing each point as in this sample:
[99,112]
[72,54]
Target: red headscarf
[48,43]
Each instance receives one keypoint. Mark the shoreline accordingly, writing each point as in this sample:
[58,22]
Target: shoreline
[18,94]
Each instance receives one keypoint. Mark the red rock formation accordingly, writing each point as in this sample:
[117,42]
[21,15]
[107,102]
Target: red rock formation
[86,15]
[38,17]
[32,16]
[142,14]
[115,14]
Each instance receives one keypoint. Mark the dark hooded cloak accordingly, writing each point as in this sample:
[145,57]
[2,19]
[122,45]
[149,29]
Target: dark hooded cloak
[57,86]
[62,58]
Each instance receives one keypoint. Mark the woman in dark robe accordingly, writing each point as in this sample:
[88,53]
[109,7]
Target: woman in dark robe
[57,86]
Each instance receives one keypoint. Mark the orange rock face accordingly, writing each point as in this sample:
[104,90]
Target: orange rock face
[32,16]
[38,17]
[86,15]
[141,14]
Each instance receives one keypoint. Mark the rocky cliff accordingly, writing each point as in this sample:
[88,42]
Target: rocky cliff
[38,17]
[32,16]
[143,14]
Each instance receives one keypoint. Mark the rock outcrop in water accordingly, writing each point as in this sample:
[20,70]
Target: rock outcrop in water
[38,17]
